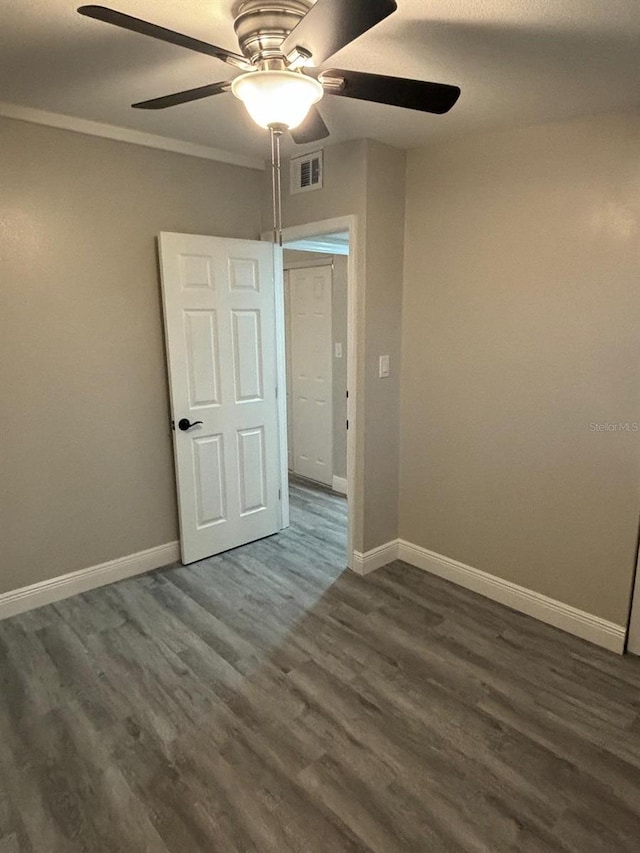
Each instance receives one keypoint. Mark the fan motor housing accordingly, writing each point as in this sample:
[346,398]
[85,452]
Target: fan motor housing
[262,26]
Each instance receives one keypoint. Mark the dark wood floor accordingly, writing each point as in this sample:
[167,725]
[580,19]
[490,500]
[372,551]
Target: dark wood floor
[266,700]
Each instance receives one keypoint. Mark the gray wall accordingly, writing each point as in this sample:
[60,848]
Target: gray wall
[366,178]
[386,171]
[294,258]
[86,470]
[521,328]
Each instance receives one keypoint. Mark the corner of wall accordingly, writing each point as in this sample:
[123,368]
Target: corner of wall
[385,212]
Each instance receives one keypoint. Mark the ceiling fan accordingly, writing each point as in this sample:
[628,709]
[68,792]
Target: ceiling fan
[282,43]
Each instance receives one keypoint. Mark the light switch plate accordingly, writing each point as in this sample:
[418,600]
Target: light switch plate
[383,367]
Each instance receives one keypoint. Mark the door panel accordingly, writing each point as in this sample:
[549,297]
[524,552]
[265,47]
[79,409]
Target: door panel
[209,477]
[247,356]
[201,332]
[252,470]
[220,328]
[311,368]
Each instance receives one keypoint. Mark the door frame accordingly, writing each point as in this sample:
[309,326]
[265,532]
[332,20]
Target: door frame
[633,626]
[292,234]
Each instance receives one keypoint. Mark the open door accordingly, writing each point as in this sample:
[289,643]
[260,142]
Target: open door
[219,313]
[311,356]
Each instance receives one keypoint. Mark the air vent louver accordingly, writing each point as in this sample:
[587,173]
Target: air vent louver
[306,172]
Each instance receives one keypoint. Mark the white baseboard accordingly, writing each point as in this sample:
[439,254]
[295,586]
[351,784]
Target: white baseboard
[64,586]
[577,622]
[339,484]
[378,557]
[556,613]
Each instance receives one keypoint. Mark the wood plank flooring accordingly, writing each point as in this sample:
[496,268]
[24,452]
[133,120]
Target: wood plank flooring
[266,700]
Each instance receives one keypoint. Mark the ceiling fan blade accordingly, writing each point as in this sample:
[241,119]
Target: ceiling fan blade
[136,25]
[397,91]
[312,129]
[183,97]
[332,24]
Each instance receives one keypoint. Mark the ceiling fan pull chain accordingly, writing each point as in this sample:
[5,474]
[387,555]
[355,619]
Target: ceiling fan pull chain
[276,132]
[274,195]
[278,136]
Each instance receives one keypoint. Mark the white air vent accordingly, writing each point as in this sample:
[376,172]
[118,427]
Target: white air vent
[306,172]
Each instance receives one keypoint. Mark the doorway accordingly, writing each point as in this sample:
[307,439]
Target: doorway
[315,302]
[224,312]
[326,252]
[315,294]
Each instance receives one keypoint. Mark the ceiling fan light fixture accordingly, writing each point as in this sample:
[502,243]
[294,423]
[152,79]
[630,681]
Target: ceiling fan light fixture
[281,98]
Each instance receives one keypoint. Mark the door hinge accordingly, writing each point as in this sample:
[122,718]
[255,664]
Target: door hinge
[279,494]
[347,395]
[347,424]
[276,392]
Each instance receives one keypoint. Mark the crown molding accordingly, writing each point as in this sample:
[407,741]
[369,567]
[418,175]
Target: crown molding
[125,134]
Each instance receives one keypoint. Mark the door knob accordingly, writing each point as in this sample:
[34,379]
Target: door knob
[184,424]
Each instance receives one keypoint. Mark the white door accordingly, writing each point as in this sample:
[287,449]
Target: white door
[311,380]
[220,330]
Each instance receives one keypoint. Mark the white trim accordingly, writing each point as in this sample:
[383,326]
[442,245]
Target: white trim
[355,311]
[339,484]
[363,564]
[340,224]
[633,640]
[281,379]
[328,247]
[126,134]
[64,586]
[556,613]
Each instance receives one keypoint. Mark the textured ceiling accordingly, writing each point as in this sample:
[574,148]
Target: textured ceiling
[517,62]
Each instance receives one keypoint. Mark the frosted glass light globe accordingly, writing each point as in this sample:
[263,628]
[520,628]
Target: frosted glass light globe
[277,97]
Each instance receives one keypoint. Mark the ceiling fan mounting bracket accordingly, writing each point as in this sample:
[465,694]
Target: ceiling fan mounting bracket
[263,25]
